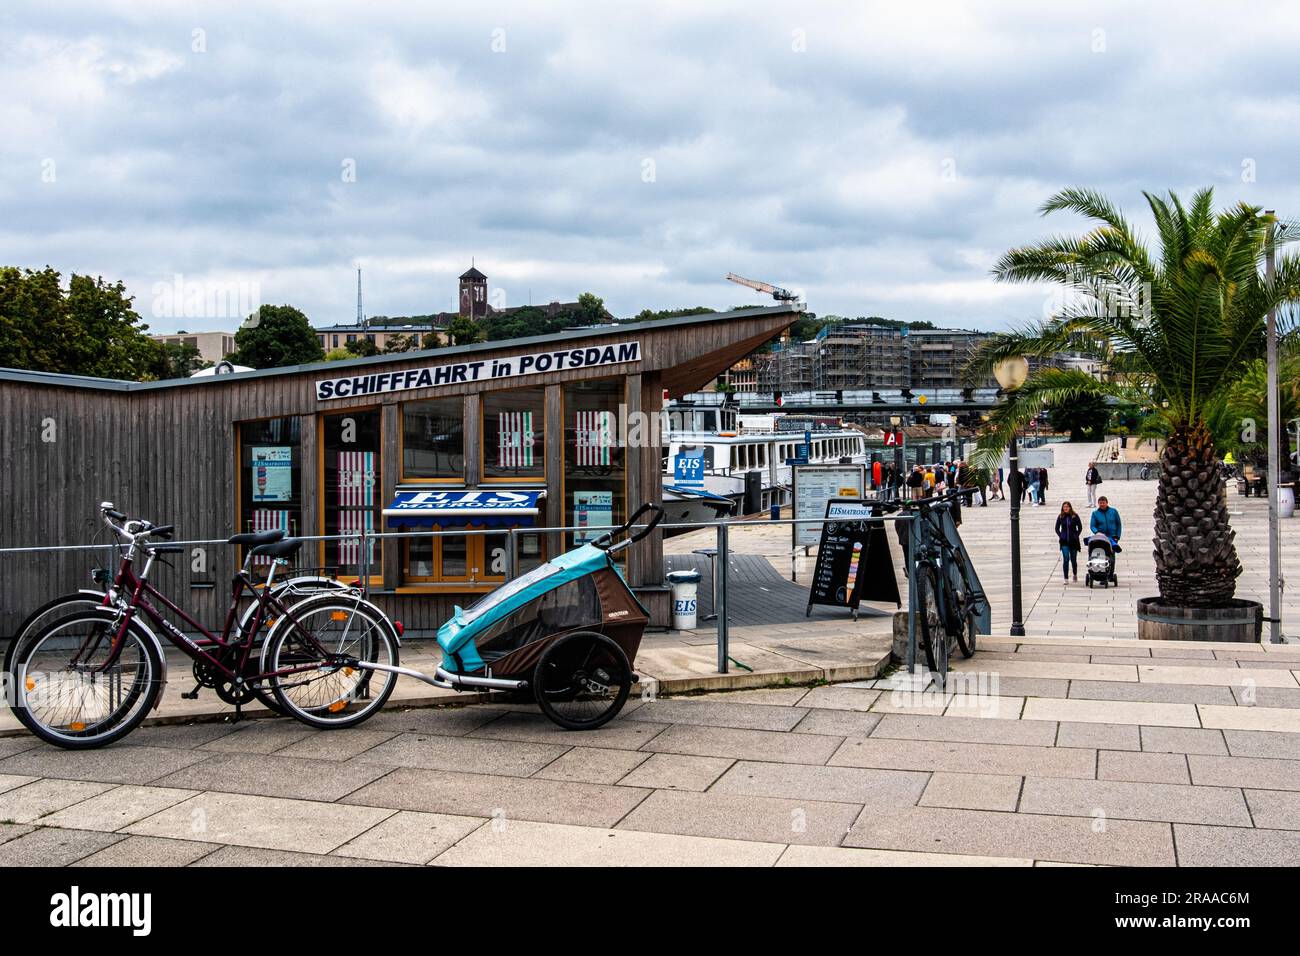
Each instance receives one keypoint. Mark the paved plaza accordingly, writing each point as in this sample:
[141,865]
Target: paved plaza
[1075,745]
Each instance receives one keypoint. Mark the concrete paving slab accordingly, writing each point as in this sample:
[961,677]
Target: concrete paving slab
[1263,697]
[1216,676]
[336,746]
[622,733]
[480,755]
[1111,712]
[593,765]
[261,822]
[1030,687]
[259,737]
[29,803]
[243,857]
[178,736]
[1098,736]
[1227,718]
[1183,740]
[143,852]
[838,723]
[1110,800]
[500,798]
[972,791]
[17,744]
[524,843]
[274,776]
[443,721]
[410,837]
[1040,733]
[966,758]
[742,817]
[1052,669]
[106,764]
[775,696]
[835,697]
[822,856]
[744,744]
[1236,846]
[1262,743]
[835,784]
[1259,773]
[1153,693]
[677,772]
[11,781]
[1274,809]
[116,808]
[712,713]
[1062,839]
[53,847]
[1142,767]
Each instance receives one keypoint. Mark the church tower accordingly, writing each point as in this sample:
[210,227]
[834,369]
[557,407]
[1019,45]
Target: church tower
[473,294]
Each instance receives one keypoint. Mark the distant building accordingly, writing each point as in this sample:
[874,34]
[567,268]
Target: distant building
[861,355]
[938,357]
[212,346]
[474,303]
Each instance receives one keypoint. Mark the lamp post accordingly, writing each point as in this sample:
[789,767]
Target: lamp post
[895,421]
[1011,373]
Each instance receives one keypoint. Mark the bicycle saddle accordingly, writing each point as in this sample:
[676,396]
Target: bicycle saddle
[279,549]
[258,537]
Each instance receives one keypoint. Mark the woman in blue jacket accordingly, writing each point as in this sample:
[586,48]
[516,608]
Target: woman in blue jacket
[1068,529]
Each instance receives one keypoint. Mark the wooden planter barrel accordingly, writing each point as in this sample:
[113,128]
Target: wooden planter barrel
[1240,621]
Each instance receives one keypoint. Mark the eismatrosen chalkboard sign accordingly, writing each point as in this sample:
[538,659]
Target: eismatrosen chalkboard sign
[854,563]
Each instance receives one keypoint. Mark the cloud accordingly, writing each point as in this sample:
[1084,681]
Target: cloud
[877,157]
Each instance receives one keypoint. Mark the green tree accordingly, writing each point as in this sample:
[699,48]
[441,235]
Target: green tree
[465,331]
[362,348]
[275,336]
[178,360]
[402,343]
[1177,325]
[1084,419]
[339,354]
[89,328]
[591,310]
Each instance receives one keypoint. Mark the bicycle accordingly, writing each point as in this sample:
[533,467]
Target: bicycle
[90,678]
[105,595]
[948,598]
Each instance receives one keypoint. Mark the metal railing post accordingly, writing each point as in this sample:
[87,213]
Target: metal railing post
[364,563]
[911,595]
[511,544]
[720,586]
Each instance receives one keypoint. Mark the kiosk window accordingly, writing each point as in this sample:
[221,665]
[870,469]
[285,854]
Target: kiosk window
[350,495]
[433,440]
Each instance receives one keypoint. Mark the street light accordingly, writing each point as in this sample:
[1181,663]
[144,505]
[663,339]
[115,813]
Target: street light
[895,421]
[1011,373]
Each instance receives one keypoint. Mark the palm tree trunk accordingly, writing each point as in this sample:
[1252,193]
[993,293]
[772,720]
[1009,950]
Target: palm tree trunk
[1196,560]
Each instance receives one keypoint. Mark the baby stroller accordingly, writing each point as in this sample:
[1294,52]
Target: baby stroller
[1101,561]
[567,630]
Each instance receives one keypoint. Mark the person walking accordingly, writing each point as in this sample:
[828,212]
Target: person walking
[1042,486]
[916,483]
[1068,529]
[1105,520]
[1035,492]
[876,475]
[1092,479]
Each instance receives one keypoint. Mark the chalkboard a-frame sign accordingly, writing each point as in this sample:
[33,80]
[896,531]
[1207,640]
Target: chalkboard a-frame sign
[854,563]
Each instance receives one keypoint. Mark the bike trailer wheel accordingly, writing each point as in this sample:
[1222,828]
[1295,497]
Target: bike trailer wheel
[582,680]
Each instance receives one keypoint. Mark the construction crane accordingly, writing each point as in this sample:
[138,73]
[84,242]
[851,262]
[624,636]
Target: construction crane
[781,295]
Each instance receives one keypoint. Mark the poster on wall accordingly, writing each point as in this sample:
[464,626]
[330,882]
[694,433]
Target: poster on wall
[267,519]
[595,437]
[516,430]
[356,504]
[272,472]
[592,509]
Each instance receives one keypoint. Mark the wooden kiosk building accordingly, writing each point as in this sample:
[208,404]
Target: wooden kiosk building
[527,433]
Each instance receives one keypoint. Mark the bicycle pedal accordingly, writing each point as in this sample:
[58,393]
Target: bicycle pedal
[191,695]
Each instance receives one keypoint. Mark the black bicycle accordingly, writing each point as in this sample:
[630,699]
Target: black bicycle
[948,597]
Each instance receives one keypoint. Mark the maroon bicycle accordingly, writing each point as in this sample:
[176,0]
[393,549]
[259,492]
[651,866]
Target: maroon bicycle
[91,677]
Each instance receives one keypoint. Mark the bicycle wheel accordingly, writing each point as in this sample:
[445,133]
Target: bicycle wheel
[931,618]
[324,643]
[582,680]
[960,615]
[64,692]
[44,615]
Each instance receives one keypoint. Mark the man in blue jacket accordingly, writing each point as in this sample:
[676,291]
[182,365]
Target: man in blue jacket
[1105,520]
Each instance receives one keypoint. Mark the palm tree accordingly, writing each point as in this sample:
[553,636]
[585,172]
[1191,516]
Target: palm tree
[1176,326]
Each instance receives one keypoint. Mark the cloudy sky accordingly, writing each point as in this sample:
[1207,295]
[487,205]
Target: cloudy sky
[876,157]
